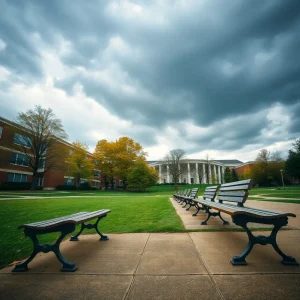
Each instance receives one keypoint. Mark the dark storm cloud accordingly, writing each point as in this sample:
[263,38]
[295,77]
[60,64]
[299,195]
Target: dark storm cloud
[206,63]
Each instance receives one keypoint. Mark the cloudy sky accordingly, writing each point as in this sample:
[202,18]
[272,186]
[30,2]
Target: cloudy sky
[211,77]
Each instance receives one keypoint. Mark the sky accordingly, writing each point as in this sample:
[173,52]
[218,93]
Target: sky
[212,77]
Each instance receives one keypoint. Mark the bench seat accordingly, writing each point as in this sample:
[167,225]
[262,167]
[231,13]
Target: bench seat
[65,225]
[76,219]
[249,211]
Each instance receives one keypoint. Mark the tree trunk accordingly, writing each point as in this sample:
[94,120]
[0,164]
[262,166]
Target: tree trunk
[33,182]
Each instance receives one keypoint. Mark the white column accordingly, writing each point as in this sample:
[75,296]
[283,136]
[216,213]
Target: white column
[189,173]
[159,171]
[219,174]
[168,175]
[204,173]
[215,173]
[209,173]
[197,174]
[179,179]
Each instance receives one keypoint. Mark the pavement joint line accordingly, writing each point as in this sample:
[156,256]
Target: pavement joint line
[134,272]
[208,270]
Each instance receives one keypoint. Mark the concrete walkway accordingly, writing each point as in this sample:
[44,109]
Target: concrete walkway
[172,266]
[191,222]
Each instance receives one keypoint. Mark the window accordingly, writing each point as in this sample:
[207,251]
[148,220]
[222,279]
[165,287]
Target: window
[22,140]
[69,181]
[192,180]
[96,184]
[1,129]
[19,159]
[39,181]
[42,163]
[15,177]
[83,181]
[97,173]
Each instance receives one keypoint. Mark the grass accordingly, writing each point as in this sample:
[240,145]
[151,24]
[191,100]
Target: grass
[128,214]
[131,212]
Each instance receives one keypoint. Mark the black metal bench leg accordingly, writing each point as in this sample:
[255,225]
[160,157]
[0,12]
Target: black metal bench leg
[45,248]
[22,267]
[209,214]
[224,222]
[241,258]
[90,226]
[102,236]
[190,205]
[67,266]
[286,259]
[198,209]
[262,240]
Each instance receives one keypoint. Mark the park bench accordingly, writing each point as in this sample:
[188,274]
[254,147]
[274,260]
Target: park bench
[65,225]
[192,195]
[179,195]
[237,192]
[209,194]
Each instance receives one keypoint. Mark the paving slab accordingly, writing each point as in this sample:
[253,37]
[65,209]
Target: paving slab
[170,254]
[172,288]
[259,287]
[191,222]
[119,255]
[217,248]
[63,286]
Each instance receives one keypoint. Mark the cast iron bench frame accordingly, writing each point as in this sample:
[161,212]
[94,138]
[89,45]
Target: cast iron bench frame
[209,193]
[65,225]
[187,200]
[238,192]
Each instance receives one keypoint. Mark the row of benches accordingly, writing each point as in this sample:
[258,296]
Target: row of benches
[230,200]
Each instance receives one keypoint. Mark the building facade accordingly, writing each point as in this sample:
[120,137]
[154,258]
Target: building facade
[14,164]
[194,171]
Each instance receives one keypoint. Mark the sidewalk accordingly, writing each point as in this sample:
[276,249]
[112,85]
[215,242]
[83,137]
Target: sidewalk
[191,222]
[171,266]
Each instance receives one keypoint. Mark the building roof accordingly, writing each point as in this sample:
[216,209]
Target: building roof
[229,161]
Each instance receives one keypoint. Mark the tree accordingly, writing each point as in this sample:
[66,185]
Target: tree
[207,167]
[105,154]
[234,175]
[141,176]
[227,175]
[80,166]
[116,158]
[292,164]
[127,153]
[173,160]
[39,143]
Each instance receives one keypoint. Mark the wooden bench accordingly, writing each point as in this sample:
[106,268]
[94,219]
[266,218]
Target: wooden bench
[209,193]
[192,196]
[237,192]
[185,193]
[65,225]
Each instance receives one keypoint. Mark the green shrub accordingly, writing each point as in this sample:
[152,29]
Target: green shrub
[15,186]
[63,187]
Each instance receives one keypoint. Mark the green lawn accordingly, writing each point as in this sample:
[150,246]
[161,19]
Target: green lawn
[131,212]
[128,214]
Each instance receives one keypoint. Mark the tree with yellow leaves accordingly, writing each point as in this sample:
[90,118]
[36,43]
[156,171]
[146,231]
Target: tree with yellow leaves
[116,158]
[79,165]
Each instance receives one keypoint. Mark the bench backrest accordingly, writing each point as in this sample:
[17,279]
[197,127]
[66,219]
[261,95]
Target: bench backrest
[210,192]
[193,193]
[235,191]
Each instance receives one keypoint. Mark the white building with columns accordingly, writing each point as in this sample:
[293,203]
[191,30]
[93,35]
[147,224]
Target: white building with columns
[193,171]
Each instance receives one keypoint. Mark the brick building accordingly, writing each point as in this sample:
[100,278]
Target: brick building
[14,165]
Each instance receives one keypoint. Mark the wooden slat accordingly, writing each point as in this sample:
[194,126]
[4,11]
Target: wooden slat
[232,199]
[234,188]
[75,219]
[241,182]
[236,210]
